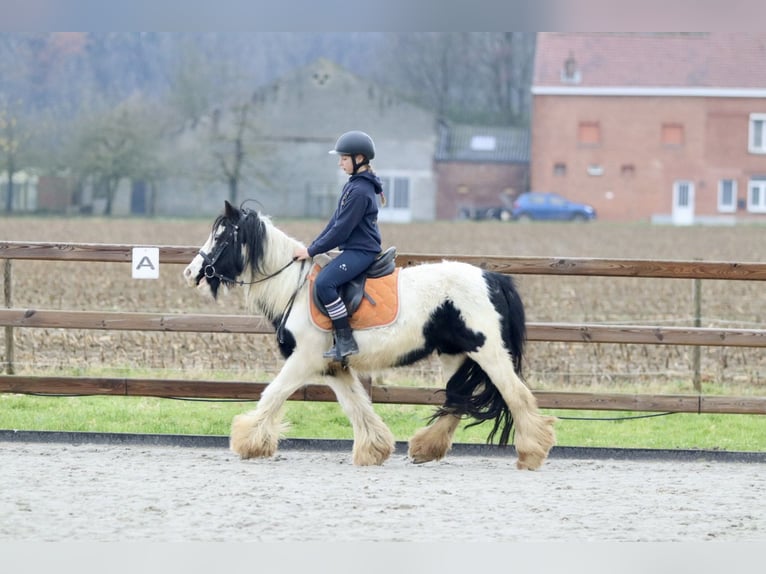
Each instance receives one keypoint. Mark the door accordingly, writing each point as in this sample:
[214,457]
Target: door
[138,198]
[683,203]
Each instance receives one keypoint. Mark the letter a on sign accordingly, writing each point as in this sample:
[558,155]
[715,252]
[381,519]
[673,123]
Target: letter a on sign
[146,262]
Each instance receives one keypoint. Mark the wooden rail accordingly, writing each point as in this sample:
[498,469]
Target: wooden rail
[251,391]
[585,266]
[573,333]
[256,324]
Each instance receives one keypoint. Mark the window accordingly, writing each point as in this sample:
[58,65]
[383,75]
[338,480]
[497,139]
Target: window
[757,134]
[727,195]
[683,193]
[628,170]
[569,73]
[595,169]
[672,134]
[397,192]
[483,143]
[756,196]
[589,133]
[559,169]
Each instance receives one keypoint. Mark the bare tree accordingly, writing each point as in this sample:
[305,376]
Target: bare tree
[228,147]
[478,77]
[507,61]
[233,143]
[15,136]
[117,144]
[426,66]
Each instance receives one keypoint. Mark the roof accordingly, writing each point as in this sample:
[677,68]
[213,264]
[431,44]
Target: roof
[322,99]
[701,61]
[483,144]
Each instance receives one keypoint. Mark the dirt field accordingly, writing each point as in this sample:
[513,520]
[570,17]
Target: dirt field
[97,286]
[166,494]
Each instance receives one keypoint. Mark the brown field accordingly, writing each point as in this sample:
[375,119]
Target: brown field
[665,302]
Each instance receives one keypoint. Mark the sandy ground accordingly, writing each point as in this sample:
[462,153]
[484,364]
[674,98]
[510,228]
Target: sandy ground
[95,492]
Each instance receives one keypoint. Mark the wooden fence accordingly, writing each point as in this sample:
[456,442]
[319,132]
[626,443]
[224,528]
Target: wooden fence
[13,318]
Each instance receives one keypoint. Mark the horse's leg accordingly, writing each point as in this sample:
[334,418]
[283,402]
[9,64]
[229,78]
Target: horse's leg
[256,433]
[434,441]
[534,435]
[373,440]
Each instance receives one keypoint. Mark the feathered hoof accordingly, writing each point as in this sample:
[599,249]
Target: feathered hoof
[251,441]
[533,448]
[374,454]
[426,445]
[530,460]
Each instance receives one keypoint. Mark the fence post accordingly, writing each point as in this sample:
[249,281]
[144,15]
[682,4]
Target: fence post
[8,329]
[696,350]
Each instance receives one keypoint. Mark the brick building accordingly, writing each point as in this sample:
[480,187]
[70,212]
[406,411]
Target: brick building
[479,167]
[652,126]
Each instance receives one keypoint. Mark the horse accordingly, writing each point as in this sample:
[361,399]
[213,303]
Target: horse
[473,319]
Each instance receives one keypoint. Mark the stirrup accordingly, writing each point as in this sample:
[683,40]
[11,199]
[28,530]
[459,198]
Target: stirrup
[332,353]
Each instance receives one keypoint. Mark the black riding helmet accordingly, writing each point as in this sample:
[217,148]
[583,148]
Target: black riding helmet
[355,143]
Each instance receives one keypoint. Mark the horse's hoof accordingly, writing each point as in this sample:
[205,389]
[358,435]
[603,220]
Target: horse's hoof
[415,460]
[529,461]
[249,441]
[424,449]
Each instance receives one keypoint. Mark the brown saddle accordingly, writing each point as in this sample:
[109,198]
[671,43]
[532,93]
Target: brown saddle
[372,298]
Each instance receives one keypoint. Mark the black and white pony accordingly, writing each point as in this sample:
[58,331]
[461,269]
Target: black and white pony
[473,319]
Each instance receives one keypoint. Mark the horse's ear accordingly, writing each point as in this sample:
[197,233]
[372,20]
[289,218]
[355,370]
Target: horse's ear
[230,211]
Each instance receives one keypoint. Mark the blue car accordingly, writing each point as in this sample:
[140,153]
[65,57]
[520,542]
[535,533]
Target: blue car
[549,206]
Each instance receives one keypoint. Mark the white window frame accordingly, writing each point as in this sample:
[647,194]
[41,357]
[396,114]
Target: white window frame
[727,207]
[754,146]
[760,205]
[393,192]
[395,210]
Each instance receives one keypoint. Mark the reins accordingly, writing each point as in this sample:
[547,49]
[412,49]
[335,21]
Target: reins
[210,272]
[289,307]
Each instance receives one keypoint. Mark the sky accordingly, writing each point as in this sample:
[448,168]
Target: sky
[382,15]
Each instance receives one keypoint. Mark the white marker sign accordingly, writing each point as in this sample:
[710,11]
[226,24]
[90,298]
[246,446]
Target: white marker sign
[146,262]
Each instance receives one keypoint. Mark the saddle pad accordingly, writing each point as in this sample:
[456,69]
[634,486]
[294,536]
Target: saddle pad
[383,290]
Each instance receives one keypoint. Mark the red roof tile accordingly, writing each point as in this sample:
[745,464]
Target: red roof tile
[677,60]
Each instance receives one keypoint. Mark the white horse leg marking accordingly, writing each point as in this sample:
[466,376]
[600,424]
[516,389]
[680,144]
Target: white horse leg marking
[373,440]
[256,433]
[434,441]
[535,435]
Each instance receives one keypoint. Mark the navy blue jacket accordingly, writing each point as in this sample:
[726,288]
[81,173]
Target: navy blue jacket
[354,225]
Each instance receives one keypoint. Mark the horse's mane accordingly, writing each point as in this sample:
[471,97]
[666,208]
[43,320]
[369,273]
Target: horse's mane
[266,249]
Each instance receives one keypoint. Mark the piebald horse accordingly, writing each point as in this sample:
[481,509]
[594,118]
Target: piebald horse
[473,319]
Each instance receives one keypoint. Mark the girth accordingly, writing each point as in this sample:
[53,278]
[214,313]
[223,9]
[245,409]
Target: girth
[353,292]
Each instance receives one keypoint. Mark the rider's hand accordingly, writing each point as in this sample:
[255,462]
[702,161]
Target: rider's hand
[301,253]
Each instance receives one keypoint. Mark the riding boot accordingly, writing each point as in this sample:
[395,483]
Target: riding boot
[344,342]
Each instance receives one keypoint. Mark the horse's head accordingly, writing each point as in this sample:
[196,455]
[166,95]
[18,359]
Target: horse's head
[221,260]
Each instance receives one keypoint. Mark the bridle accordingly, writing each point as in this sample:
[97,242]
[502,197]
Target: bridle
[210,272]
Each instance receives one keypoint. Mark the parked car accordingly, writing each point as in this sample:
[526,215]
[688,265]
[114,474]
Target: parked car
[482,213]
[549,206]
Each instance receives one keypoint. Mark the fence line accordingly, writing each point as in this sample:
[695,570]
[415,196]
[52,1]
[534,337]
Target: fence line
[586,266]
[384,394]
[256,324]
[552,332]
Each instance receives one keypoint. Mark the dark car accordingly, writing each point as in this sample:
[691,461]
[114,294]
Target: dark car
[549,206]
[483,213]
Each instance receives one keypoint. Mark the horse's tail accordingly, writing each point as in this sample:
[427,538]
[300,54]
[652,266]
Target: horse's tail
[470,391]
[513,322]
